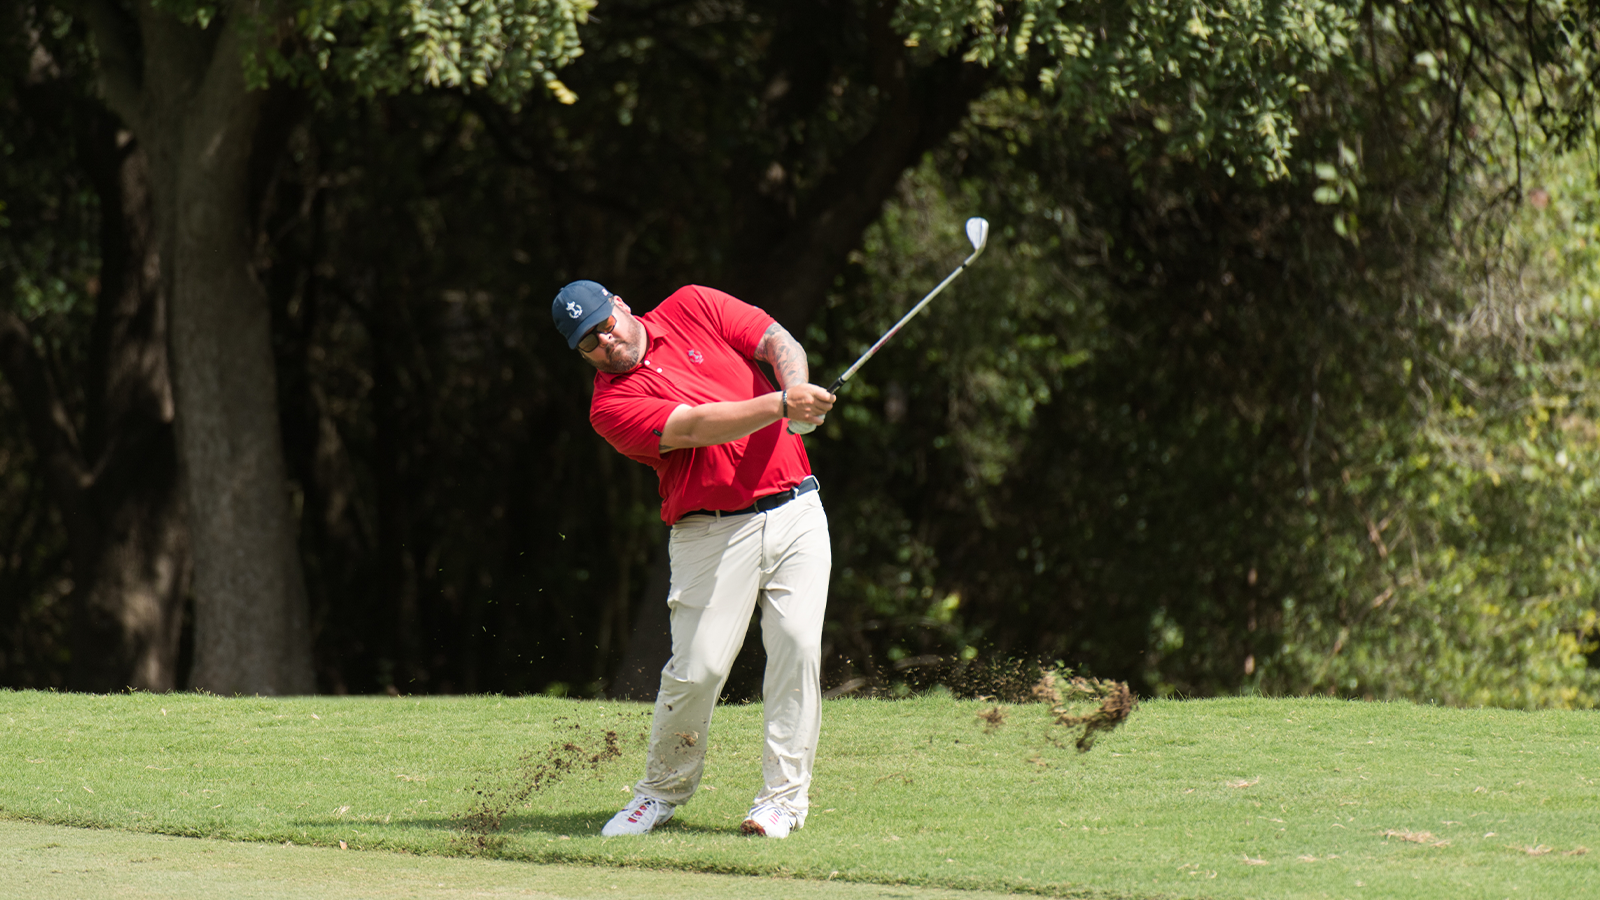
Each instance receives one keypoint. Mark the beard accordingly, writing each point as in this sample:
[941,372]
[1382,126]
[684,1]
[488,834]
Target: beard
[621,356]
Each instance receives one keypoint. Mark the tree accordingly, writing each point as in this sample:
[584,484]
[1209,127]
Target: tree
[187,79]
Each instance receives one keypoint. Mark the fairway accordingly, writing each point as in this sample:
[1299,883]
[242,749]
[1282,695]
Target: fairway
[1217,798]
[61,863]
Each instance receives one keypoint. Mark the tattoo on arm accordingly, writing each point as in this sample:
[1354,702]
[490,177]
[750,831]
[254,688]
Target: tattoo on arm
[779,348]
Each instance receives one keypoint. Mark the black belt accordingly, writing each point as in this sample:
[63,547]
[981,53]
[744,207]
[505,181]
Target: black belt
[763,504]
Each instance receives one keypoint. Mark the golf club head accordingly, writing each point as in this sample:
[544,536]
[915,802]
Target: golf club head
[978,232]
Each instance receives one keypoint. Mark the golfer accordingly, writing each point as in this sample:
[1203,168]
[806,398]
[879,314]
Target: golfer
[678,389]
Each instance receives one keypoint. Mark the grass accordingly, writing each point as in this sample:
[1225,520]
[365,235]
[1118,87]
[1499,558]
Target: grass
[1218,798]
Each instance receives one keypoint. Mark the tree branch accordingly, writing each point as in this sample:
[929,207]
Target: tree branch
[114,41]
[789,282]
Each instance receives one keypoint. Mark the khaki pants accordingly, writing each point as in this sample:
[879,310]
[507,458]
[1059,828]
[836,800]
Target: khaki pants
[721,567]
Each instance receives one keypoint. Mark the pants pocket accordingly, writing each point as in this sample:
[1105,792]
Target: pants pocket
[695,549]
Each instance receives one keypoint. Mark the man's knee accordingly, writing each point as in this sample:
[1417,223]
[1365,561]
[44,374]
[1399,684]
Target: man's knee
[692,679]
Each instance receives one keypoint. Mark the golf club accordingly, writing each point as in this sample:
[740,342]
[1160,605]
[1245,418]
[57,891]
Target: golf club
[978,234]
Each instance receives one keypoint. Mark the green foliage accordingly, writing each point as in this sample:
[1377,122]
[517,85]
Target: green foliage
[1106,439]
[48,211]
[1291,455]
[1216,82]
[504,47]
[918,458]
[1475,580]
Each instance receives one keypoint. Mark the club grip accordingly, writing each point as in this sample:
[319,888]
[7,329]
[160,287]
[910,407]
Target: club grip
[807,427]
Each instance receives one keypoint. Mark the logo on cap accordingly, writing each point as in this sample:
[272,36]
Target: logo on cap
[575,309]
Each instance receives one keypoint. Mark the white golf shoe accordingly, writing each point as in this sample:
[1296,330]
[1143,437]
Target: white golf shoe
[640,817]
[770,821]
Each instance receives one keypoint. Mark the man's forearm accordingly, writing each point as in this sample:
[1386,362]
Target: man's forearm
[779,349]
[718,423]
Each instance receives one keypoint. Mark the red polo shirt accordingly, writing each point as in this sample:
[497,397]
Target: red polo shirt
[701,343]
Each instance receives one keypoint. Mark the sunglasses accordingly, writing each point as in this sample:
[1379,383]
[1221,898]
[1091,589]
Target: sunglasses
[588,342]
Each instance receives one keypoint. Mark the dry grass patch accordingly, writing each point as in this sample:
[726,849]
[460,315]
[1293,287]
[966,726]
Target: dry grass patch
[1417,837]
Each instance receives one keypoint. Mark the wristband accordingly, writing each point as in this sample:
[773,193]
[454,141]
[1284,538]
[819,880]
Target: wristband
[784,399]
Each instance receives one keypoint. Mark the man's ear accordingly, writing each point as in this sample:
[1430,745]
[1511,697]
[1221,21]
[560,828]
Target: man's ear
[617,301]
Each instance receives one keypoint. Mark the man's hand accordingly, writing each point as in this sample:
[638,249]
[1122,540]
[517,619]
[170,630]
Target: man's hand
[809,403]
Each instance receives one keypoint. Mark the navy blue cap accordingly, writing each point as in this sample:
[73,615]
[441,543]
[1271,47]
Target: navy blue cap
[579,307]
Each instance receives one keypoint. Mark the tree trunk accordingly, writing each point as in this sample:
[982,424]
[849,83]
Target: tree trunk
[920,108]
[183,93]
[251,629]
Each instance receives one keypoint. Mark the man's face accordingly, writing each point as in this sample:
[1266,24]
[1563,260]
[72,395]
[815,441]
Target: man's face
[620,351]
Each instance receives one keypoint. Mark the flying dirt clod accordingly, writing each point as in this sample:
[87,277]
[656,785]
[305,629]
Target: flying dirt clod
[1116,703]
[484,819]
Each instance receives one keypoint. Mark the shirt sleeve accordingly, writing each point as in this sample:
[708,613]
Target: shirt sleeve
[632,423]
[739,323]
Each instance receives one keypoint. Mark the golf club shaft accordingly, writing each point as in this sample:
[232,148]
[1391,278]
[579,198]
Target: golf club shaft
[897,326]
[807,427]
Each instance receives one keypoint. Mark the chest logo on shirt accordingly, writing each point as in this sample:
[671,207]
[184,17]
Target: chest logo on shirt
[574,309]
[696,357]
